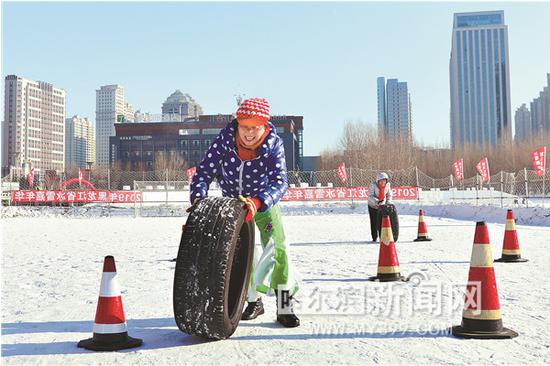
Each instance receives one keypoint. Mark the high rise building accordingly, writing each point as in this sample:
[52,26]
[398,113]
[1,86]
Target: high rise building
[179,106]
[79,142]
[522,120]
[381,99]
[111,108]
[540,109]
[479,72]
[394,109]
[34,125]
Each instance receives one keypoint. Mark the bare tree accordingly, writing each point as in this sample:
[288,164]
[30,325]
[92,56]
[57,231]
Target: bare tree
[172,163]
[361,146]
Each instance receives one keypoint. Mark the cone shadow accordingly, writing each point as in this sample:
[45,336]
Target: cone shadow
[157,333]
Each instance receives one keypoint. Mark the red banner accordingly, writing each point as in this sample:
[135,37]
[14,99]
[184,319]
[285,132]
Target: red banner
[79,196]
[342,172]
[458,169]
[344,193]
[483,169]
[191,173]
[539,160]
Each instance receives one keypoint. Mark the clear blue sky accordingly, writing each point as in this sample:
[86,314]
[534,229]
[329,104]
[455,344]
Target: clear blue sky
[319,60]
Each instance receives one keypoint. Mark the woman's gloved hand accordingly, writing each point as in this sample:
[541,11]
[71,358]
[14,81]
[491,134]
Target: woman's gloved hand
[253,205]
[193,205]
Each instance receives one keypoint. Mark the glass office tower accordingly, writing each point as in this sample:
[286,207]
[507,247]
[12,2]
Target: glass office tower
[480,79]
[394,109]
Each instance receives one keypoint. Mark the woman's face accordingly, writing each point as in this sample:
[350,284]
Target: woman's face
[250,135]
[382,182]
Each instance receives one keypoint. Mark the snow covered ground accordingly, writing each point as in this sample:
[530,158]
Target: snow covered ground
[495,214]
[51,271]
[462,211]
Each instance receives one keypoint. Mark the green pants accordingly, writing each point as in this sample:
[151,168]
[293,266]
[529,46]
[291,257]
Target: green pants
[271,268]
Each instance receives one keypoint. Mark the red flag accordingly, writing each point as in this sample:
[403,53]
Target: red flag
[30,178]
[79,176]
[483,169]
[342,172]
[539,160]
[190,174]
[458,169]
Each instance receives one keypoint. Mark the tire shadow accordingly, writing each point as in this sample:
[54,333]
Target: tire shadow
[270,325]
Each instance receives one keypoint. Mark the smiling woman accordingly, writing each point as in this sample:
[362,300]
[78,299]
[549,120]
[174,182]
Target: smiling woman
[251,135]
[248,160]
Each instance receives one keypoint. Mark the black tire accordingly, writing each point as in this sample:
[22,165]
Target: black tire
[390,211]
[213,268]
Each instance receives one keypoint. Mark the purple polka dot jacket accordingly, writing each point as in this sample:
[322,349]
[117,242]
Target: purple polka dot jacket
[264,177]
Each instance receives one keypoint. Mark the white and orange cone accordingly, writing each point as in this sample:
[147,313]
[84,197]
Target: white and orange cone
[422,228]
[481,318]
[388,264]
[110,331]
[510,246]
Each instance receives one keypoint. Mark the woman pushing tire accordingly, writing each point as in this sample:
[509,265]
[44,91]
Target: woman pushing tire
[247,158]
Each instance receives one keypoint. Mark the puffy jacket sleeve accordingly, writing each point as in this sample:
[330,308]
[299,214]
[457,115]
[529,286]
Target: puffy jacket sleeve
[373,199]
[389,197]
[208,169]
[277,178]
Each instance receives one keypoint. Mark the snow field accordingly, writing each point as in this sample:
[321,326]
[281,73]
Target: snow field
[51,272]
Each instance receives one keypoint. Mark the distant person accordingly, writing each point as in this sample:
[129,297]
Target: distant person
[379,194]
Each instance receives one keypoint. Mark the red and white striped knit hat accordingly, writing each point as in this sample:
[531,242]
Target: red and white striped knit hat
[253,112]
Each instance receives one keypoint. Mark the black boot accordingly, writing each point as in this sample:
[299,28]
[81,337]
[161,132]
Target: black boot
[253,310]
[286,316]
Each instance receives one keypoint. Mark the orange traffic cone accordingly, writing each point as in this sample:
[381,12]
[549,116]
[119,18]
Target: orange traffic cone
[388,264]
[510,246]
[481,317]
[422,229]
[110,332]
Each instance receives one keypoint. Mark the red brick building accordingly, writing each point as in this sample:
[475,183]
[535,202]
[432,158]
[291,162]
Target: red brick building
[136,146]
